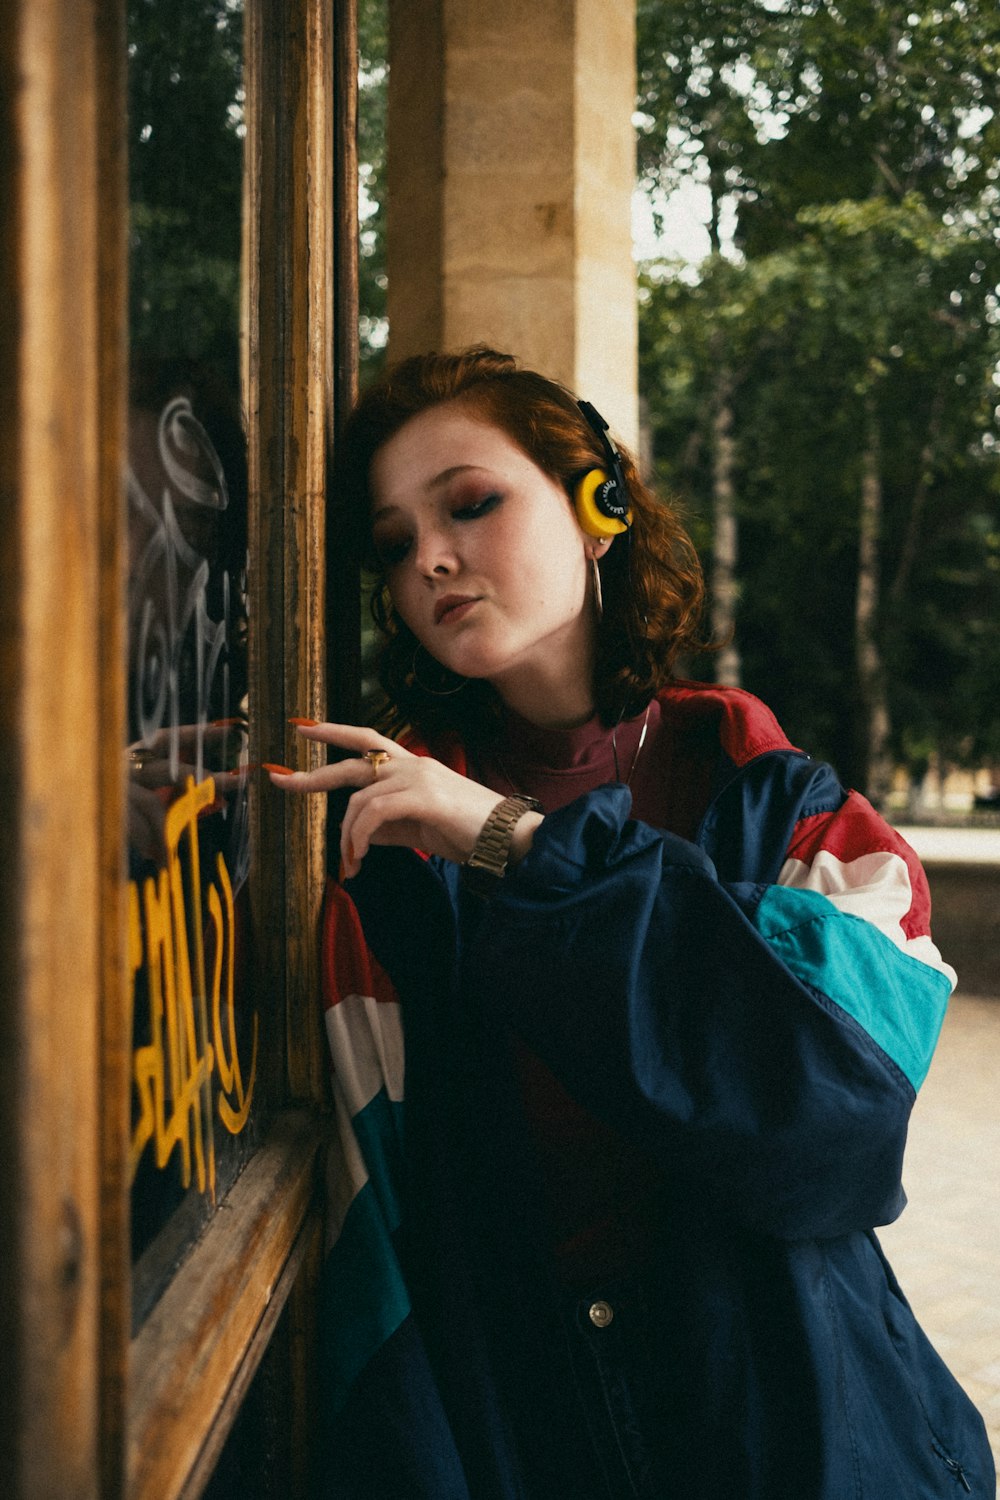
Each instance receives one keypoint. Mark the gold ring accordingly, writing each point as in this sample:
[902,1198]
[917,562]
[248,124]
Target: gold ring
[375,759]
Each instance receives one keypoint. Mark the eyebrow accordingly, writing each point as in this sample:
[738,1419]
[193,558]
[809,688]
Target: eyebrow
[432,484]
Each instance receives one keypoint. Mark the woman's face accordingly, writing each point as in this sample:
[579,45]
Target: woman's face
[484,559]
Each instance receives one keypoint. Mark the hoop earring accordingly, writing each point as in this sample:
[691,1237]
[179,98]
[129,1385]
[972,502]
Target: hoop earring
[431,691]
[598,596]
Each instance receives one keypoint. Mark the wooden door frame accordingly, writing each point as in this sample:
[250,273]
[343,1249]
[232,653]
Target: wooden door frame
[84,1410]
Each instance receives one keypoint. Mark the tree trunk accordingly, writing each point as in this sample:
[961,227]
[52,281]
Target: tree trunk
[725,544]
[725,550]
[911,537]
[874,709]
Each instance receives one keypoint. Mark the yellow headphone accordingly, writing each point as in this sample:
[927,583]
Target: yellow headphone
[599,496]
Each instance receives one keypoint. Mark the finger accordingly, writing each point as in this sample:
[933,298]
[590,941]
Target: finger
[354,772]
[348,859]
[146,818]
[154,773]
[228,781]
[355,806]
[160,742]
[360,831]
[186,736]
[355,737]
[209,734]
[299,781]
[388,815]
[370,790]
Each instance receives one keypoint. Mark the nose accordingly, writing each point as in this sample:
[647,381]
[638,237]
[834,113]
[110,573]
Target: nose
[434,555]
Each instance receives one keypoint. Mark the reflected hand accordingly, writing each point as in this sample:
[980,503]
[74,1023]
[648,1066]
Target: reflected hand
[149,764]
[146,817]
[151,779]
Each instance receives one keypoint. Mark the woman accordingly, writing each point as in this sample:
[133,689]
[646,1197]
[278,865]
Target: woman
[668,992]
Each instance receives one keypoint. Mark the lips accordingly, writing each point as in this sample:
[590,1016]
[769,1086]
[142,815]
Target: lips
[453,607]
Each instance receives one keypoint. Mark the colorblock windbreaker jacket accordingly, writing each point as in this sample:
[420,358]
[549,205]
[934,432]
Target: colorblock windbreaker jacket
[754,1010]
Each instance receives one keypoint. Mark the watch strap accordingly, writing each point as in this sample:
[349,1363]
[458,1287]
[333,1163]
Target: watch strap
[487,863]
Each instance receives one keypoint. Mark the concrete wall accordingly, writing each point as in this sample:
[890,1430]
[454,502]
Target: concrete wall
[510,175]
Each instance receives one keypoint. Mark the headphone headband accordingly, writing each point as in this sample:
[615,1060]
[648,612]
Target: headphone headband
[607,492]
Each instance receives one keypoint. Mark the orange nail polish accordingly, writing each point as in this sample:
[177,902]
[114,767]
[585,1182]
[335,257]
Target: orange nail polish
[341,873]
[350,851]
[226,723]
[305,723]
[267,765]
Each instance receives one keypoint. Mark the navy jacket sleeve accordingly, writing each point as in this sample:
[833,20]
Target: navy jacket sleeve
[762,1040]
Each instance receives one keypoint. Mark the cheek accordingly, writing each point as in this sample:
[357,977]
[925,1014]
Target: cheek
[406,611]
[551,550]
[557,571]
[400,591]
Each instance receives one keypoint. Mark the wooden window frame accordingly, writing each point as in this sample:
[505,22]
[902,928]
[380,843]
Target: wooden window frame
[86,1410]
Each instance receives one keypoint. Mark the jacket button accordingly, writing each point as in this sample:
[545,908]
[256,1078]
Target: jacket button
[601,1314]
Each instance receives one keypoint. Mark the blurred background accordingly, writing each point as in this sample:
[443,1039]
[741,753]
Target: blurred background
[814,221]
[816,230]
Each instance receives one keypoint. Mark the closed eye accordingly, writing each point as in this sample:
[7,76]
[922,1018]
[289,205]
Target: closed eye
[477,508]
[391,551]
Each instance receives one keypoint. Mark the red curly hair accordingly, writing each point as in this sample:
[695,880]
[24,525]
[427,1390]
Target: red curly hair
[653,587]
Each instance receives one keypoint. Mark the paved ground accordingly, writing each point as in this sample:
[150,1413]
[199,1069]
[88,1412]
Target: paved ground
[946,1247]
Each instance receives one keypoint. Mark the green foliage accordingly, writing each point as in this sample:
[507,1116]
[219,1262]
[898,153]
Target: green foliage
[695,114]
[856,147]
[185,129]
[186,121]
[373,76]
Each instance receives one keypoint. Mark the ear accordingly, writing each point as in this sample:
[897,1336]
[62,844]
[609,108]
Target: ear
[598,547]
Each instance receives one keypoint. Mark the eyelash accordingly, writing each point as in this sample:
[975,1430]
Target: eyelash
[477,508]
[391,553]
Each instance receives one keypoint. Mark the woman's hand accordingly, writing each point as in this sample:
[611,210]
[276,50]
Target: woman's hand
[405,799]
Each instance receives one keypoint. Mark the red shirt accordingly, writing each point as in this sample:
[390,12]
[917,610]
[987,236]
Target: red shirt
[604,1196]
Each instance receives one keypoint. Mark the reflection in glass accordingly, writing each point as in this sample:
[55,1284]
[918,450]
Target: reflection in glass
[195,1027]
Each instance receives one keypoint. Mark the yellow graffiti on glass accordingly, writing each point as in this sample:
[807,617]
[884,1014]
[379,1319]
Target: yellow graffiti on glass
[178,1062]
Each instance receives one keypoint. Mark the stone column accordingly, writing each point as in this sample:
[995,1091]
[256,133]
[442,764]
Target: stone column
[510,175]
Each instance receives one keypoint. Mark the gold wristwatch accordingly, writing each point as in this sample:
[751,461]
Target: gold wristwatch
[487,863]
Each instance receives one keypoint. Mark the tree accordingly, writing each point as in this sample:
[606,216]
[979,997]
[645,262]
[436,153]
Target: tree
[696,118]
[860,305]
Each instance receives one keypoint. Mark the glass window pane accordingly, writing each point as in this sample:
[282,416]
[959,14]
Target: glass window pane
[196,1094]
